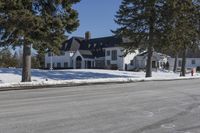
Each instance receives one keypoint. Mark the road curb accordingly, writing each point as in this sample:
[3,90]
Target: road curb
[73,83]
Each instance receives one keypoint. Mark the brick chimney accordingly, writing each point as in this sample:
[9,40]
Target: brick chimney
[87,35]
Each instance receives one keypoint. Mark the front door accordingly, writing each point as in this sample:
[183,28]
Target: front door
[78,62]
[89,64]
[153,64]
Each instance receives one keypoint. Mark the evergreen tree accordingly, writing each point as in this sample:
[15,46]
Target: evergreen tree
[41,59]
[139,21]
[35,63]
[7,59]
[181,27]
[33,23]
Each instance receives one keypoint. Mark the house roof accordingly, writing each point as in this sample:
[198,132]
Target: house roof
[94,46]
[86,54]
[76,43]
[154,53]
[72,44]
[142,53]
[111,41]
[97,45]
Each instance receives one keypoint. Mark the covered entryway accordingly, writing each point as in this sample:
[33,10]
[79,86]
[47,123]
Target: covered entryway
[89,63]
[78,62]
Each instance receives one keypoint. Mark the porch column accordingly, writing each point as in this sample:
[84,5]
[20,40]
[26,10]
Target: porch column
[94,62]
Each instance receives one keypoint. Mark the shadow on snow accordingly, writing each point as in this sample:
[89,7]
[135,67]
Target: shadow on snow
[65,75]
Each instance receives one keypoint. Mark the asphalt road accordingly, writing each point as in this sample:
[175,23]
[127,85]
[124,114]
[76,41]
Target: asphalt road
[144,107]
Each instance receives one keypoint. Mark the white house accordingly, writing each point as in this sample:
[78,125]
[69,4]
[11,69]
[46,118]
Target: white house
[114,58]
[159,60]
[83,53]
[62,61]
[192,60]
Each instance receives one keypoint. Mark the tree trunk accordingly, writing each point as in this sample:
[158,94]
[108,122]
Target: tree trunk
[149,62]
[175,63]
[26,70]
[150,50]
[183,63]
[151,41]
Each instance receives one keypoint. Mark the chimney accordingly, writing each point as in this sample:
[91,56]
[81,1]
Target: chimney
[87,35]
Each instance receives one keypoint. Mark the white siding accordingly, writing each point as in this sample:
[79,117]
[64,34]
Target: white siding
[121,60]
[129,58]
[188,62]
[59,59]
[141,61]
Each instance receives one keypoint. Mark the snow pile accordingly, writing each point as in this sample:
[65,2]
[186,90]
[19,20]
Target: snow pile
[11,77]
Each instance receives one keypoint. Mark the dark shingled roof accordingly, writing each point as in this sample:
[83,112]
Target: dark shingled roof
[72,44]
[111,41]
[142,53]
[86,54]
[94,46]
[97,45]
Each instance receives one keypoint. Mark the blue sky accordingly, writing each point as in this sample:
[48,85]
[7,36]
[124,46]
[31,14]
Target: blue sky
[97,17]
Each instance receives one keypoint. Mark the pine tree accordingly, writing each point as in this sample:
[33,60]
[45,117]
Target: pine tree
[36,23]
[41,58]
[7,59]
[181,20]
[35,63]
[139,21]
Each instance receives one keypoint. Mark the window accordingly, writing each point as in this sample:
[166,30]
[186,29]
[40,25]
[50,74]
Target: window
[66,65]
[193,62]
[48,65]
[153,64]
[108,53]
[108,62]
[58,65]
[180,63]
[114,54]
[132,62]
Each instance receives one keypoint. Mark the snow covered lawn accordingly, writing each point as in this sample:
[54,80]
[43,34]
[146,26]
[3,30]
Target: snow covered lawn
[12,75]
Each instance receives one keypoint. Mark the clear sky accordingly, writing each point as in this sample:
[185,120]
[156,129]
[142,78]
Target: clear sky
[96,16]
